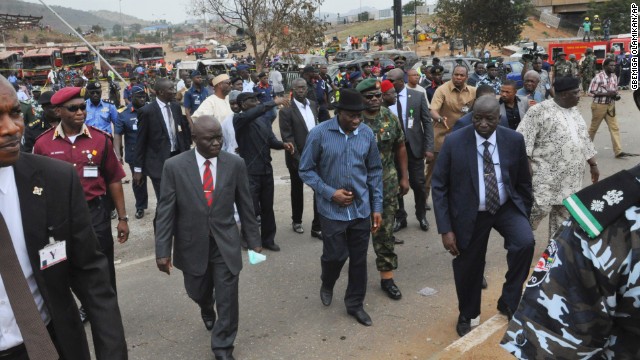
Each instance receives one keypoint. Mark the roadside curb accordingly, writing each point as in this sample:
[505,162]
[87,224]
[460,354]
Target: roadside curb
[477,336]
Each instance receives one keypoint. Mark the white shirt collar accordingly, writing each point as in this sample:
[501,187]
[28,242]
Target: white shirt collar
[161,103]
[403,92]
[201,159]
[6,176]
[480,140]
[299,104]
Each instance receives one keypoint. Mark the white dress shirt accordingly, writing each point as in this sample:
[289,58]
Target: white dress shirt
[10,208]
[495,157]
[402,97]
[307,114]
[229,135]
[166,112]
[214,166]
[247,86]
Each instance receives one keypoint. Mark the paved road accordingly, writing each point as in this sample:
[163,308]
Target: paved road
[281,316]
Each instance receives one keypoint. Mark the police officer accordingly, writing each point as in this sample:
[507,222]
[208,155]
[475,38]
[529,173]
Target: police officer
[196,94]
[492,78]
[46,120]
[91,152]
[582,298]
[100,113]
[391,145]
[436,81]
[127,125]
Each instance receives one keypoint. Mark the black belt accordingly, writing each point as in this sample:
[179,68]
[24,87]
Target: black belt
[95,202]
[14,352]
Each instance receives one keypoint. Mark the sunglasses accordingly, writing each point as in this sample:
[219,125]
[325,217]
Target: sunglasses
[371,96]
[75,108]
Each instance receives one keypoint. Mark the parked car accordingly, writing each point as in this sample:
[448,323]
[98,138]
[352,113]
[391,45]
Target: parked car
[448,63]
[237,46]
[513,71]
[198,49]
[348,55]
[412,57]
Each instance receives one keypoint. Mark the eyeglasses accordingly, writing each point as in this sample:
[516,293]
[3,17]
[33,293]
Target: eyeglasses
[371,96]
[75,108]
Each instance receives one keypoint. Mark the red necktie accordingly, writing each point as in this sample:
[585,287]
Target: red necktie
[207,183]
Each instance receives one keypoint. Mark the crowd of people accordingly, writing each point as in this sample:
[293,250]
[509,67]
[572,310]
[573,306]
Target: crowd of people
[489,155]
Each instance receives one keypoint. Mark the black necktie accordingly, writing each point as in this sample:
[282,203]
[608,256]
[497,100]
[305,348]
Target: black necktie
[399,107]
[34,333]
[491,195]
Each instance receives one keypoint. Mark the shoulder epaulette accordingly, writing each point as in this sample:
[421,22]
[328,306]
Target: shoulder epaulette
[100,131]
[45,132]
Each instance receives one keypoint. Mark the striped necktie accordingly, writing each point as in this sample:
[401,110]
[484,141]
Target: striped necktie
[491,195]
[207,183]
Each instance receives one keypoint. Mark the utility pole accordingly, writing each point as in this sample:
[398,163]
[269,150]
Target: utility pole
[415,21]
[121,24]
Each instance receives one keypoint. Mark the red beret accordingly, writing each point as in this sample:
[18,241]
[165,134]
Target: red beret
[386,85]
[66,94]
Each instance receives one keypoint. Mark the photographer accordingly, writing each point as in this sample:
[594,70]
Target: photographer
[604,88]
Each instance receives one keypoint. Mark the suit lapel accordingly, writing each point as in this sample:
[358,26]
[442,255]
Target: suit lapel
[163,125]
[298,115]
[222,172]
[33,207]
[472,158]
[192,172]
[504,143]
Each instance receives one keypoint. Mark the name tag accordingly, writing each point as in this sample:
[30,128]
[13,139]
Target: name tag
[52,254]
[410,122]
[179,128]
[135,127]
[90,172]
[196,101]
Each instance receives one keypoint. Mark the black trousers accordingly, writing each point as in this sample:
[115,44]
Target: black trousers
[297,201]
[262,192]
[344,240]
[417,183]
[200,289]
[101,222]
[468,267]
[156,187]
[140,192]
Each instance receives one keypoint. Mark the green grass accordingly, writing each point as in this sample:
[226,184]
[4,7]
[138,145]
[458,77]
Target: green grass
[370,27]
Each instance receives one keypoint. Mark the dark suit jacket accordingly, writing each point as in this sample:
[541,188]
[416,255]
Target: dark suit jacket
[523,106]
[185,222]
[294,129]
[154,147]
[61,206]
[420,136]
[466,120]
[455,180]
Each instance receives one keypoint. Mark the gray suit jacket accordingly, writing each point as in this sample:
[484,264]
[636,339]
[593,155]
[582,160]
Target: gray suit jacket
[184,220]
[420,135]
[523,106]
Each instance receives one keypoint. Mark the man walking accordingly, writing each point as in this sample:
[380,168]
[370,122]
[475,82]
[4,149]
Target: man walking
[195,96]
[587,69]
[497,195]
[100,114]
[195,218]
[217,105]
[348,186]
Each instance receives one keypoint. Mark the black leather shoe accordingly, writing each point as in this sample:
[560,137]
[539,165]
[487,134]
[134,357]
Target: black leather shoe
[316,234]
[362,317]
[398,241]
[504,309]
[272,247]
[208,316]
[484,282]
[390,287]
[297,227]
[463,326]
[424,224]
[139,214]
[225,357]
[84,317]
[326,295]
[399,224]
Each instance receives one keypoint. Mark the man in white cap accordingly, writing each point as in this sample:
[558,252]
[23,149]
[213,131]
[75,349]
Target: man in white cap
[216,105]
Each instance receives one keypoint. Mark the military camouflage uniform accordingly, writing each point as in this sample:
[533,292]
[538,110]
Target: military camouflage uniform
[583,298]
[588,71]
[562,69]
[388,135]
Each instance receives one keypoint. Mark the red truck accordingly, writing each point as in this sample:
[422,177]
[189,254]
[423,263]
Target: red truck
[37,63]
[578,48]
[78,58]
[119,57]
[193,50]
[147,54]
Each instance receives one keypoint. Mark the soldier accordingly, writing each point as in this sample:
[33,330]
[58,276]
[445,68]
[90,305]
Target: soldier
[390,140]
[47,119]
[562,67]
[582,298]
[587,69]
[91,152]
[574,65]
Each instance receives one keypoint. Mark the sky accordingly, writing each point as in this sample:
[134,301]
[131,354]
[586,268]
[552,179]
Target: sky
[175,10]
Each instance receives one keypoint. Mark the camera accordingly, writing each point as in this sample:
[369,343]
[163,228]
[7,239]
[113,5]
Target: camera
[617,97]
[530,53]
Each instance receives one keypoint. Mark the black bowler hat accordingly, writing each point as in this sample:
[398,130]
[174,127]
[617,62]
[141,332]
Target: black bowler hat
[350,100]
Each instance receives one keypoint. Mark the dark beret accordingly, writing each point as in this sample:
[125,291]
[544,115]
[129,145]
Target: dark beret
[566,83]
[368,84]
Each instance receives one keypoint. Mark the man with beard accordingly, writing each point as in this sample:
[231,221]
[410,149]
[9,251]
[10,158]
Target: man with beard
[100,113]
[127,125]
[47,120]
[479,73]
[217,104]
[391,146]
[389,95]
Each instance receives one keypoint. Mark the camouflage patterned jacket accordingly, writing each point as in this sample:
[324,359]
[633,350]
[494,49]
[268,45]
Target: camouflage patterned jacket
[388,133]
[583,298]
[563,68]
[588,67]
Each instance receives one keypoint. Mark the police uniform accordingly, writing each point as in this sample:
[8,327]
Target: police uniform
[100,116]
[127,125]
[93,157]
[194,96]
[435,70]
[582,298]
[389,135]
[495,83]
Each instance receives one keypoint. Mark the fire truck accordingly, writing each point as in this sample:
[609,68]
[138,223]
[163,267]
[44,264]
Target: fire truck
[119,57]
[10,62]
[147,54]
[78,58]
[578,48]
[37,63]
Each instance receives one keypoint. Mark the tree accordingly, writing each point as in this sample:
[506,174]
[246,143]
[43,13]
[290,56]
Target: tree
[274,24]
[97,28]
[135,28]
[116,30]
[409,8]
[615,10]
[484,22]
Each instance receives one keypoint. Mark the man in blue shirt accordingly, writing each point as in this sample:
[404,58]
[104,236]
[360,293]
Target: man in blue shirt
[264,91]
[12,78]
[127,125]
[341,162]
[100,113]
[195,95]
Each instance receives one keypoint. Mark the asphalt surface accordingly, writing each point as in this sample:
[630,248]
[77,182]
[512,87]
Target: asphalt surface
[281,316]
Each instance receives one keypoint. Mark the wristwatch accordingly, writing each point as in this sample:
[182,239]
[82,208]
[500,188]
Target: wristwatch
[125,218]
